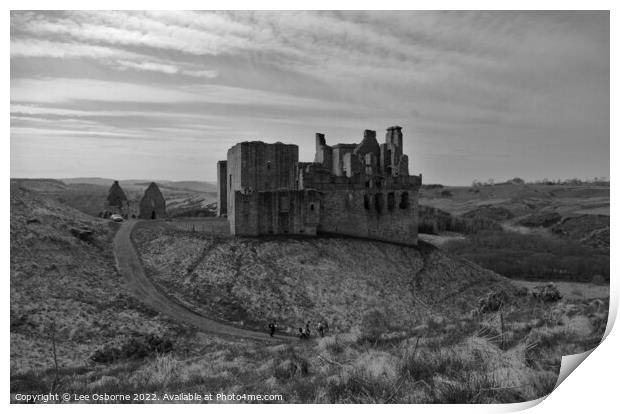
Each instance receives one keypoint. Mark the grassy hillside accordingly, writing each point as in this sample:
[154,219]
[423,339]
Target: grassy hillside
[63,283]
[523,231]
[88,195]
[405,324]
[520,199]
[400,330]
[296,280]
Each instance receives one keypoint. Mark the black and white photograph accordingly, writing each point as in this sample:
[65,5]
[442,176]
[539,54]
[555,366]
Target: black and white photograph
[306,207]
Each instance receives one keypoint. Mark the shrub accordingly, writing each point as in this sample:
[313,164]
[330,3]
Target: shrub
[133,349]
[547,293]
[492,302]
[331,344]
[531,256]
[374,323]
[28,383]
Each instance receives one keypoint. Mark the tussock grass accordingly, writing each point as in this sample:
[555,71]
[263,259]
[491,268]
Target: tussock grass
[466,363]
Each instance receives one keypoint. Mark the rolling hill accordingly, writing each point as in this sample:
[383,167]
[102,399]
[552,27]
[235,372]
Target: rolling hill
[88,194]
[406,324]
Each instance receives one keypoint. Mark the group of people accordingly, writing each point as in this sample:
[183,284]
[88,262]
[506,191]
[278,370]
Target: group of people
[303,333]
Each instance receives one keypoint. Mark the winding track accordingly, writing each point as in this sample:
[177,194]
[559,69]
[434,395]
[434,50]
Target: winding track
[129,266]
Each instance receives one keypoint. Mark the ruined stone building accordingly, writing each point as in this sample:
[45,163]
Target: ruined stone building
[153,204]
[361,190]
[117,203]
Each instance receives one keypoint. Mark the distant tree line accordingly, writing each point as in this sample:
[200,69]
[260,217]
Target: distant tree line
[602,181]
[533,256]
[434,221]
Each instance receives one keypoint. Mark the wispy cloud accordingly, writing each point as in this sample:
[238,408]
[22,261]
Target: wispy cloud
[511,81]
[150,66]
[176,31]
[53,49]
[64,90]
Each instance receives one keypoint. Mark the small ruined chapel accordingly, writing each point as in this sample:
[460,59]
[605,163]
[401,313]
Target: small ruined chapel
[116,202]
[153,204]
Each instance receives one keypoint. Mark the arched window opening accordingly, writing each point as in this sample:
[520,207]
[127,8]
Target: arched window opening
[390,201]
[404,200]
[366,201]
[379,202]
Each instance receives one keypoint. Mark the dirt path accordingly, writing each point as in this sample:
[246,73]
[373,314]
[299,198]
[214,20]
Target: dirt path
[129,266]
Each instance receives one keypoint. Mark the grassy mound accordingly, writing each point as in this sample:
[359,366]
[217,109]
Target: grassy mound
[294,280]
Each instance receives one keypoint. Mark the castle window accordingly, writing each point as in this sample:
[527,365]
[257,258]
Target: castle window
[404,200]
[230,181]
[379,202]
[311,207]
[391,201]
[268,165]
[366,201]
[367,183]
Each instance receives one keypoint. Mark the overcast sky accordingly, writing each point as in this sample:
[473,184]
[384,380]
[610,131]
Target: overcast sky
[163,95]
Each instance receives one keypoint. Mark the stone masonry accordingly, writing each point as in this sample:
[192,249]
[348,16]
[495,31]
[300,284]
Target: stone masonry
[362,190]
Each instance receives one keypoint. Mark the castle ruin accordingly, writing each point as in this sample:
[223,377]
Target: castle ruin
[362,190]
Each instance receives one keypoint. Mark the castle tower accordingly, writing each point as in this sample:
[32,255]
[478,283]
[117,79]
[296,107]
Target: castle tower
[323,154]
[392,162]
[222,185]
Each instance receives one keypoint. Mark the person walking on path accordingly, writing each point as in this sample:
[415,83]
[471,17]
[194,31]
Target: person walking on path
[272,328]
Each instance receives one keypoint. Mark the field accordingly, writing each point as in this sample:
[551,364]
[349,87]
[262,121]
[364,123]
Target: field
[88,194]
[520,199]
[524,231]
[406,325]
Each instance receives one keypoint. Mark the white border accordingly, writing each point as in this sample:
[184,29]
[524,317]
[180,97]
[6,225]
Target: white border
[590,389]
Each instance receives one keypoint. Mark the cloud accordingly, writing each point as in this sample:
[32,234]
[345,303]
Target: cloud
[25,48]
[502,80]
[47,48]
[150,66]
[64,90]
[140,29]
[207,74]
[168,69]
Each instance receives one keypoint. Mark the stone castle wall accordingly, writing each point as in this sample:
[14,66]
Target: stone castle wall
[361,190]
[254,167]
[276,212]
[378,215]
